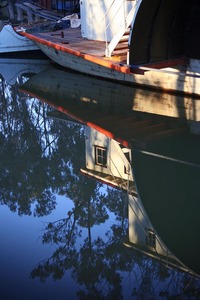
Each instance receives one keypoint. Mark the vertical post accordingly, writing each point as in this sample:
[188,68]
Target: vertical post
[19,14]
[30,16]
[11,10]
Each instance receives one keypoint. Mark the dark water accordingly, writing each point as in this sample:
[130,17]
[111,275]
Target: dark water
[65,234]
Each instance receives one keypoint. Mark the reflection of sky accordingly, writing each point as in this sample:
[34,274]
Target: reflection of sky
[102,230]
[21,250]
[97,230]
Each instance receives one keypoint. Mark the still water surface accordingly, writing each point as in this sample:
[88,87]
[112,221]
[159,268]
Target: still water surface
[63,233]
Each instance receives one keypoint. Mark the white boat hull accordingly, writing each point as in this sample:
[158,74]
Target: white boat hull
[168,79]
[10,41]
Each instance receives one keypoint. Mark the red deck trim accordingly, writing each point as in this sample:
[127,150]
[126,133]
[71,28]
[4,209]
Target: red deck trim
[65,48]
[106,62]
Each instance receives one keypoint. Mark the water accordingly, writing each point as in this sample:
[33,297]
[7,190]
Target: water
[67,234]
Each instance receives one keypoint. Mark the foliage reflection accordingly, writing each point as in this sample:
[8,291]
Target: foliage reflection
[41,157]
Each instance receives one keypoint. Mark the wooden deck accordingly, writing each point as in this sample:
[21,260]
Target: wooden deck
[71,37]
[69,49]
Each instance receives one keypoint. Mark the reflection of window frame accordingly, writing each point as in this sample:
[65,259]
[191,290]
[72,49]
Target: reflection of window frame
[150,237]
[127,170]
[100,156]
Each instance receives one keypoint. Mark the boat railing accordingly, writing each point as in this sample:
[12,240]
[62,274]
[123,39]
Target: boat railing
[126,162]
[128,17]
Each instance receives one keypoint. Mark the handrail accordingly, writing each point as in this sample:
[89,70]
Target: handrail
[108,10]
[108,25]
[125,183]
[117,37]
[116,143]
[120,176]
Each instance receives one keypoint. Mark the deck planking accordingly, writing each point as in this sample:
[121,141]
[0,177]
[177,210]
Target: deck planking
[71,38]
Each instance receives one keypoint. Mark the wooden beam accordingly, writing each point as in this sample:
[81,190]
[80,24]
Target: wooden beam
[168,63]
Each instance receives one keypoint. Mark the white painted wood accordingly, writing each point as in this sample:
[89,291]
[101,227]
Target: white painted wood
[116,96]
[169,79]
[10,41]
[96,15]
[93,13]
[138,224]
[116,159]
[119,34]
[167,105]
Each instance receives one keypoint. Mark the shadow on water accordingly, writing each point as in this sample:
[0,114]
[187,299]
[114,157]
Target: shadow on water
[107,240]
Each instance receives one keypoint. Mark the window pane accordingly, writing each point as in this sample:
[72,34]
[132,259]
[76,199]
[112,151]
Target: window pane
[100,156]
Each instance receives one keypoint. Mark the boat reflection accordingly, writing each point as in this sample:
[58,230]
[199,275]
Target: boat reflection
[164,157]
[11,69]
[171,197]
[110,162]
[116,97]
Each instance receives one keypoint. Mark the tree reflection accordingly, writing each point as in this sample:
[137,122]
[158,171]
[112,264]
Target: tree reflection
[36,153]
[22,157]
[96,263]
[37,161]
[100,265]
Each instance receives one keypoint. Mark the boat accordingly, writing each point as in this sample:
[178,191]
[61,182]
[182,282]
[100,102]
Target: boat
[142,236]
[10,41]
[135,42]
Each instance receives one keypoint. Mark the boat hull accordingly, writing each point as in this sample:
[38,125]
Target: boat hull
[168,79]
[81,64]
